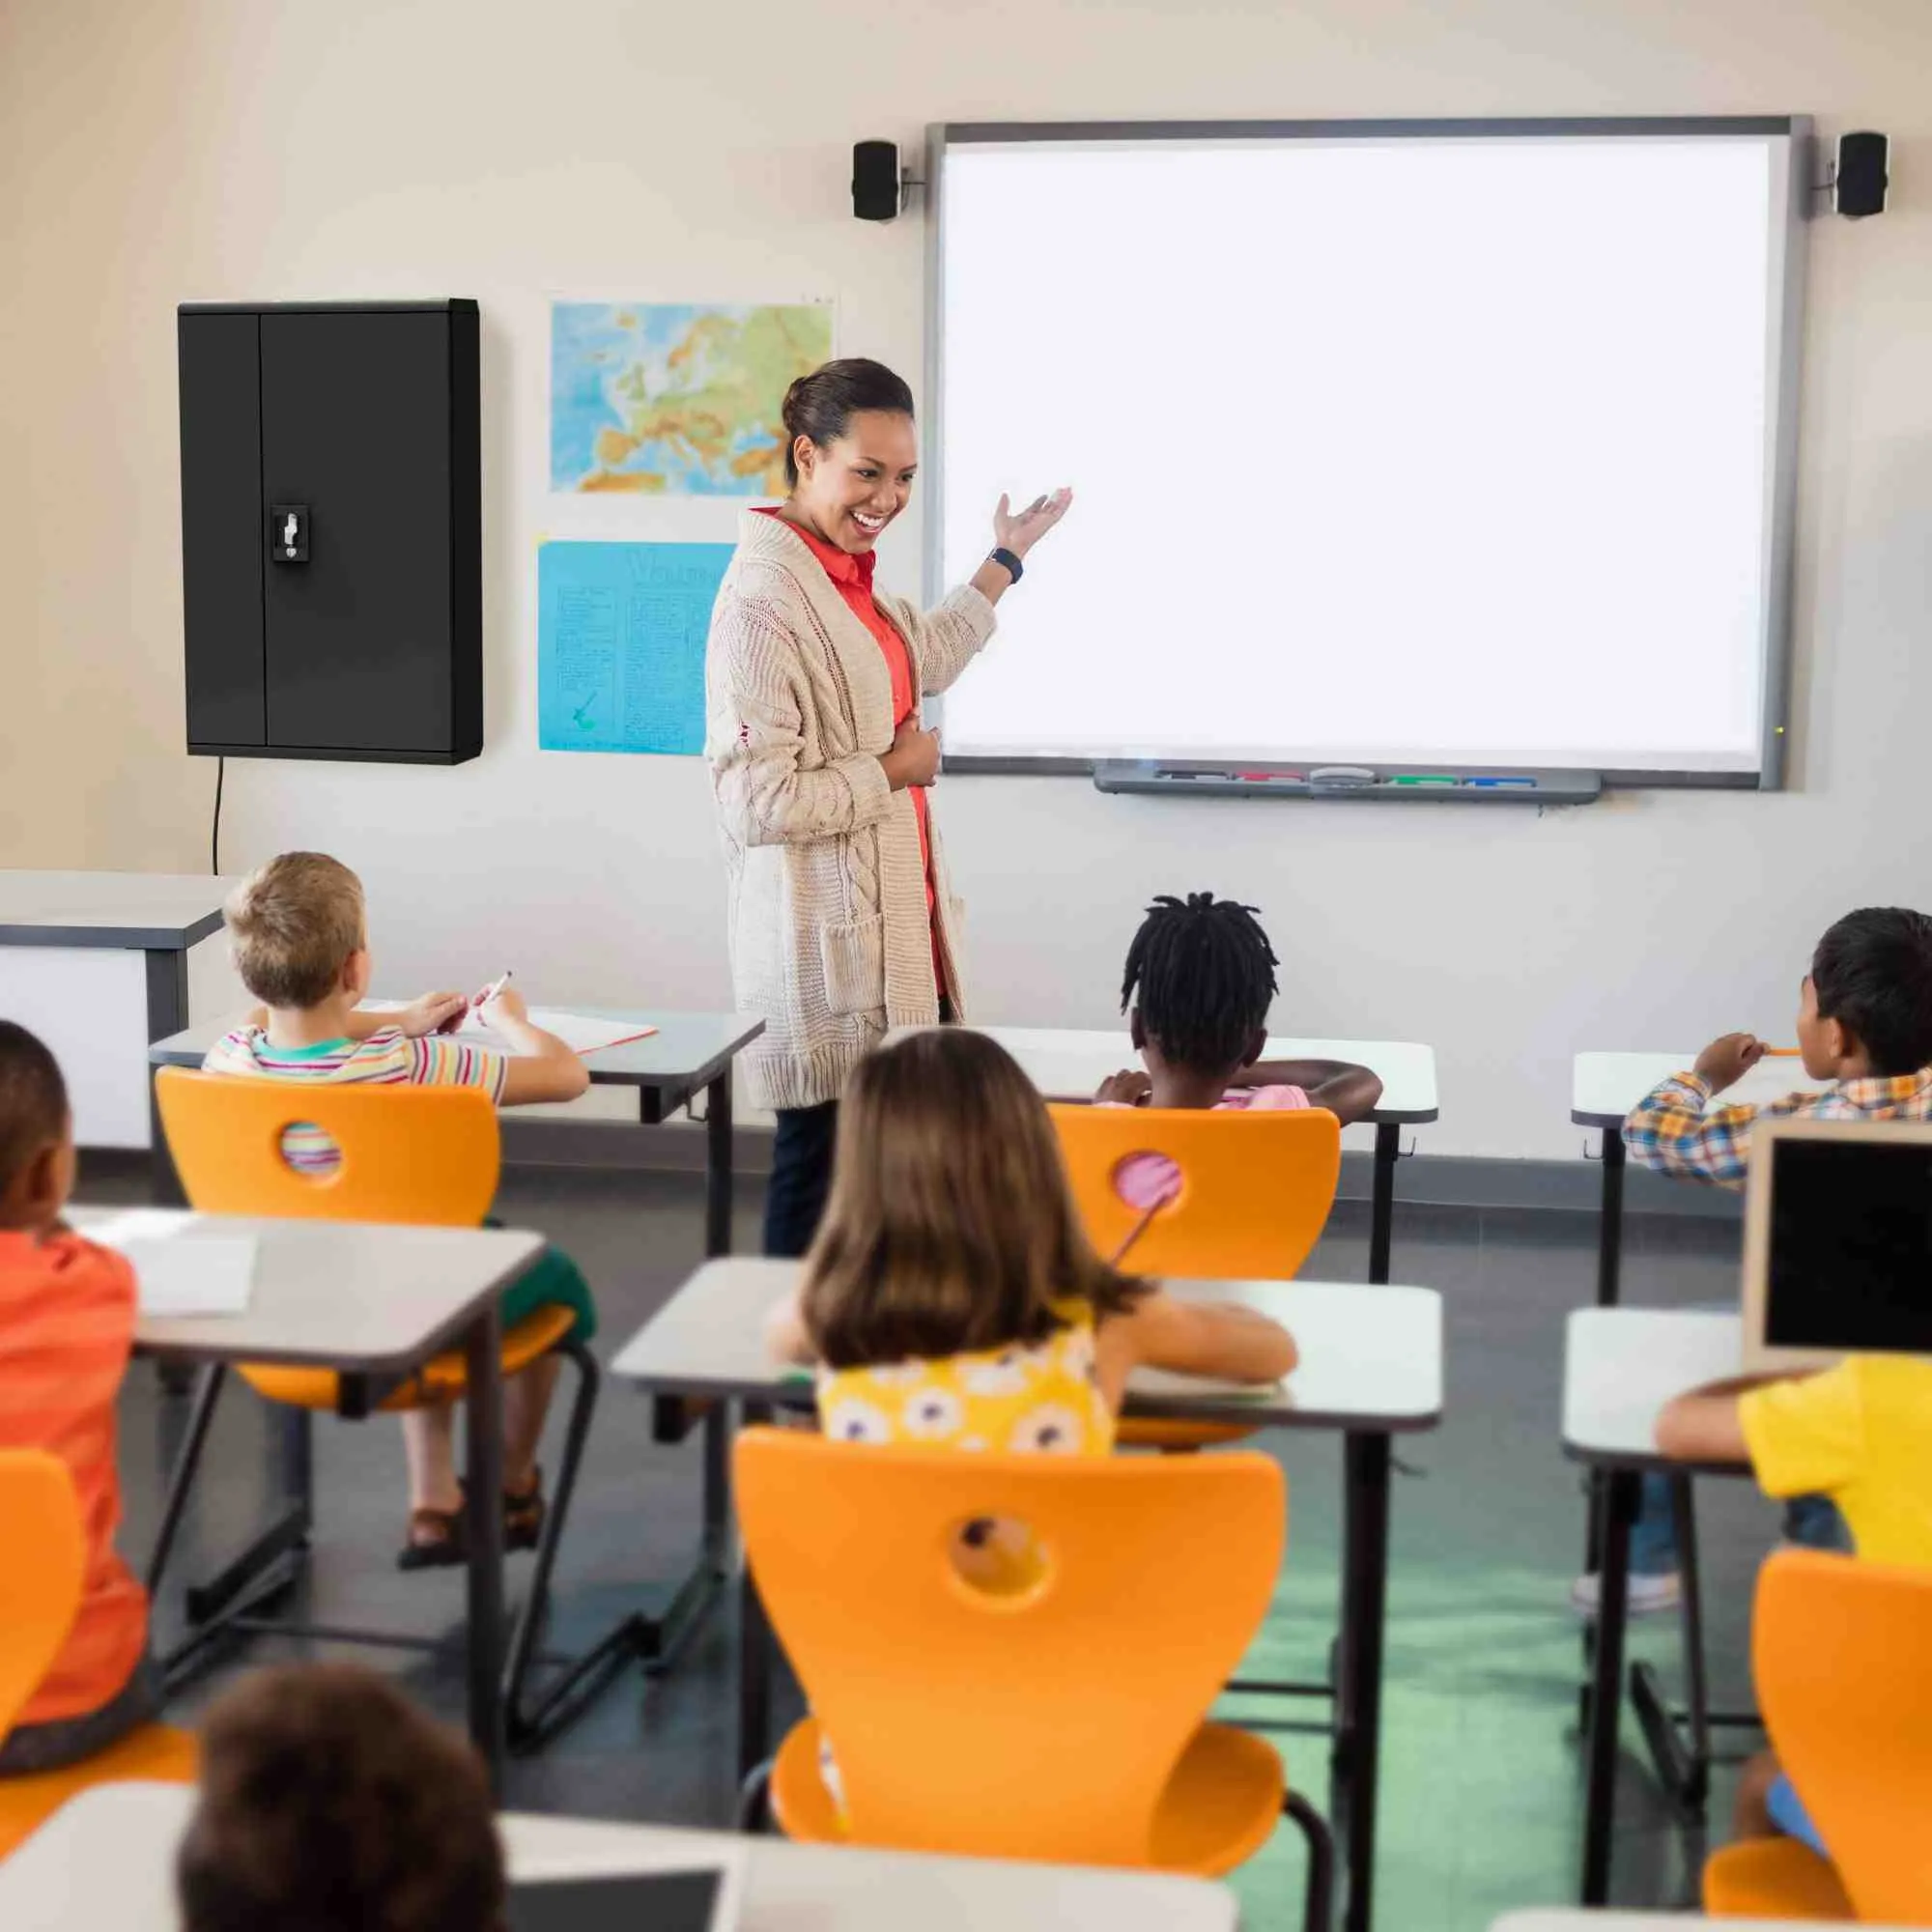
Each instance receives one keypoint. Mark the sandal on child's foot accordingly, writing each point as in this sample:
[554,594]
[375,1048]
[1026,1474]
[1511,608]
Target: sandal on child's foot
[524,1515]
[437,1540]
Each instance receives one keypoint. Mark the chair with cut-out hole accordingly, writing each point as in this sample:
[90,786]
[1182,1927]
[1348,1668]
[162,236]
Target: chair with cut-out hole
[1061,1721]
[1253,1194]
[1841,1654]
[418,1155]
[41,1580]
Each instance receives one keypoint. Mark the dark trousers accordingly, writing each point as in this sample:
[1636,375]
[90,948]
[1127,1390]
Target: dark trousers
[801,1177]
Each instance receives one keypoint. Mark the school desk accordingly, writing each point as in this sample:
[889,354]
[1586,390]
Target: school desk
[1371,1369]
[1603,1086]
[1069,1065]
[687,1055]
[106,1858]
[370,1303]
[97,964]
[1620,1367]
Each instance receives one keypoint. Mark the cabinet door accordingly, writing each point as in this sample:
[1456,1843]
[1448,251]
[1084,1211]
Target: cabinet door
[222,529]
[355,427]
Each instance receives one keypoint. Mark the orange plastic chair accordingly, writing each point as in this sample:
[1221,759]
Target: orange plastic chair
[41,1584]
[1060,1721]
[417,1155]
[1841,1653]
[1256,1191]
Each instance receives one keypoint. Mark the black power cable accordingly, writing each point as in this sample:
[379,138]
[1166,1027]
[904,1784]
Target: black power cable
[214,830]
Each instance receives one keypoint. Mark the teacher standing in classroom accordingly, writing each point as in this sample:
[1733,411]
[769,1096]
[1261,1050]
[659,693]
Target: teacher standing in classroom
[841,925]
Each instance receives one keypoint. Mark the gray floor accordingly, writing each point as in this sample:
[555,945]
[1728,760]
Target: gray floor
[1481,1785]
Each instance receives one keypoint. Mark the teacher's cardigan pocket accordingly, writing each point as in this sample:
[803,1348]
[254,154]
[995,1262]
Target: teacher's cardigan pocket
[853,954]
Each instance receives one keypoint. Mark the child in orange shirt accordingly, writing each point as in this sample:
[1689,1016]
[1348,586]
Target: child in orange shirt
[67,1329]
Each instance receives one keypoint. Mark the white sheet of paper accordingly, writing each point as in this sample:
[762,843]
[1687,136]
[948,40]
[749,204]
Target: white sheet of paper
[212,1274]
[578,1032]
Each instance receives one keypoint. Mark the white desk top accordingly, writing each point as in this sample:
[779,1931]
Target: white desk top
[1620,1367]
[1070,1064]
[107,1859]
[687,1050]
[343,1295]
[1603,1086]
[154,911]
[1371,1357]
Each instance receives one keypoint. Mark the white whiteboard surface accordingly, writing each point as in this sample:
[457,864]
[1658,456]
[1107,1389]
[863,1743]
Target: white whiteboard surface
[1403,450]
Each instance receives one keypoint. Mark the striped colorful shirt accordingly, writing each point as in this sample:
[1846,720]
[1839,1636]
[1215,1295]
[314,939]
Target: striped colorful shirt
[387,1057]
[67,1328]
[1675,1130]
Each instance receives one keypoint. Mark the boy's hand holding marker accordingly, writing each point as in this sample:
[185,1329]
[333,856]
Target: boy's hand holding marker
[1727,1060]
[433,1013]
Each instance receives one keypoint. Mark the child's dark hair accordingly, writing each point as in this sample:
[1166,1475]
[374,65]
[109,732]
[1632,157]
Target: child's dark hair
[329,1800]
[1872,972]
[821,406]
[1204,972]
[32,1100]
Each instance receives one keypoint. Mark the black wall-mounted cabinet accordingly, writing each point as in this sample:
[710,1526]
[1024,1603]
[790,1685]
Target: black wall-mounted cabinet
[332,529]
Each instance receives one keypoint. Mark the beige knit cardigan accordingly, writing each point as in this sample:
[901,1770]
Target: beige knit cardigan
[827,925]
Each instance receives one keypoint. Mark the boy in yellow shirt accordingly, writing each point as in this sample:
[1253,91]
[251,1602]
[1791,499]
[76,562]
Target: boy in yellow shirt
[300,943]
[1861,1433]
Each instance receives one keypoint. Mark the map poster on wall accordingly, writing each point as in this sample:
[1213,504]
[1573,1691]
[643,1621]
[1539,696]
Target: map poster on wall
[677,399]
[620,644]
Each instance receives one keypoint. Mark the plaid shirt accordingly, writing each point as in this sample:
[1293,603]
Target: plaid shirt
[1670,1129]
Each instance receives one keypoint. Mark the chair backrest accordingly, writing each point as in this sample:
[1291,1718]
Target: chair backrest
[424,1154]
[1841,1651]
[1042,1724]
[1255,1188]
[42,1574]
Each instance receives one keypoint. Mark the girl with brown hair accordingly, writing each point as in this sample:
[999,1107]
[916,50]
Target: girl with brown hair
[952,1296]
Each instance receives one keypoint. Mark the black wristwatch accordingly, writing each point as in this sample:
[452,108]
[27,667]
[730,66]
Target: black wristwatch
[1009,562]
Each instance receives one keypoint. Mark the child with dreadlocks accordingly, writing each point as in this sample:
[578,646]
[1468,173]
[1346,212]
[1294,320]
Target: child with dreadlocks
[1203,974]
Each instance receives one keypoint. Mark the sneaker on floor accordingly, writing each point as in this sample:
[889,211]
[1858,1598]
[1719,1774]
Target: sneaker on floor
[1649,1594]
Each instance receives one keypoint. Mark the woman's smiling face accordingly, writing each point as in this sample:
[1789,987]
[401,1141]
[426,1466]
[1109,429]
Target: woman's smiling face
[850,489]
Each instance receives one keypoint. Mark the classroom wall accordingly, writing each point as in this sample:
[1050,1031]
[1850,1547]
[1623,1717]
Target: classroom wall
[263,149]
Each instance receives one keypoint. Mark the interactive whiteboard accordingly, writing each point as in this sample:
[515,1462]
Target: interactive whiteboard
[1427,443]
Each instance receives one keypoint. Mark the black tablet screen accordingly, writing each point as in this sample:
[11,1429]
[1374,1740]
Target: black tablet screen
[1851,1246]
[681,1901]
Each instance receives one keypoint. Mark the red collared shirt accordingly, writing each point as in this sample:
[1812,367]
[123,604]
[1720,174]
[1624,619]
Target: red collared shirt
[852,577]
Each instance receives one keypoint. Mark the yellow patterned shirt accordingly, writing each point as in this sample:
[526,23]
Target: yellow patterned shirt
[1043,1399]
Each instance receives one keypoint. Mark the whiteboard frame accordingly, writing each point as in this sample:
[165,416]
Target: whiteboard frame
[1795,129]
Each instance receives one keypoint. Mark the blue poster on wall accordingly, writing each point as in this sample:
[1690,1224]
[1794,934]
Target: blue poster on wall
[620,644]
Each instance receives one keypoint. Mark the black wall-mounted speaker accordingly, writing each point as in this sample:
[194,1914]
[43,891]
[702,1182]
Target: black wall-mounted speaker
[1860,182]
[875,180]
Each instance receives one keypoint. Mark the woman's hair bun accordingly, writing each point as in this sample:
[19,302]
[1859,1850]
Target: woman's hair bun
[791,412]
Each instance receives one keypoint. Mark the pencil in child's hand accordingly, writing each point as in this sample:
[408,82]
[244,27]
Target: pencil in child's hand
[1783,1052]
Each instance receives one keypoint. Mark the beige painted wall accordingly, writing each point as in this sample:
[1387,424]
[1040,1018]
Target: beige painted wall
[258,149]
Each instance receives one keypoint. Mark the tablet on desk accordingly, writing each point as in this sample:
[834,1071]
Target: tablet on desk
[696,1899]
[1837,1243]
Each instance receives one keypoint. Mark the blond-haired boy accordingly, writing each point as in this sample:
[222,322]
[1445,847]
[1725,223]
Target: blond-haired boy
[299,933]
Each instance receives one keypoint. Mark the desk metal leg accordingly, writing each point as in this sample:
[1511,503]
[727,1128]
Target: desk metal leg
[1358,1739]
[1381,1208]
[167,1012]
[754,1653]
[1683,1769]
[1611,1220]
[483,1367]
[718,1166]
[1607,1704]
